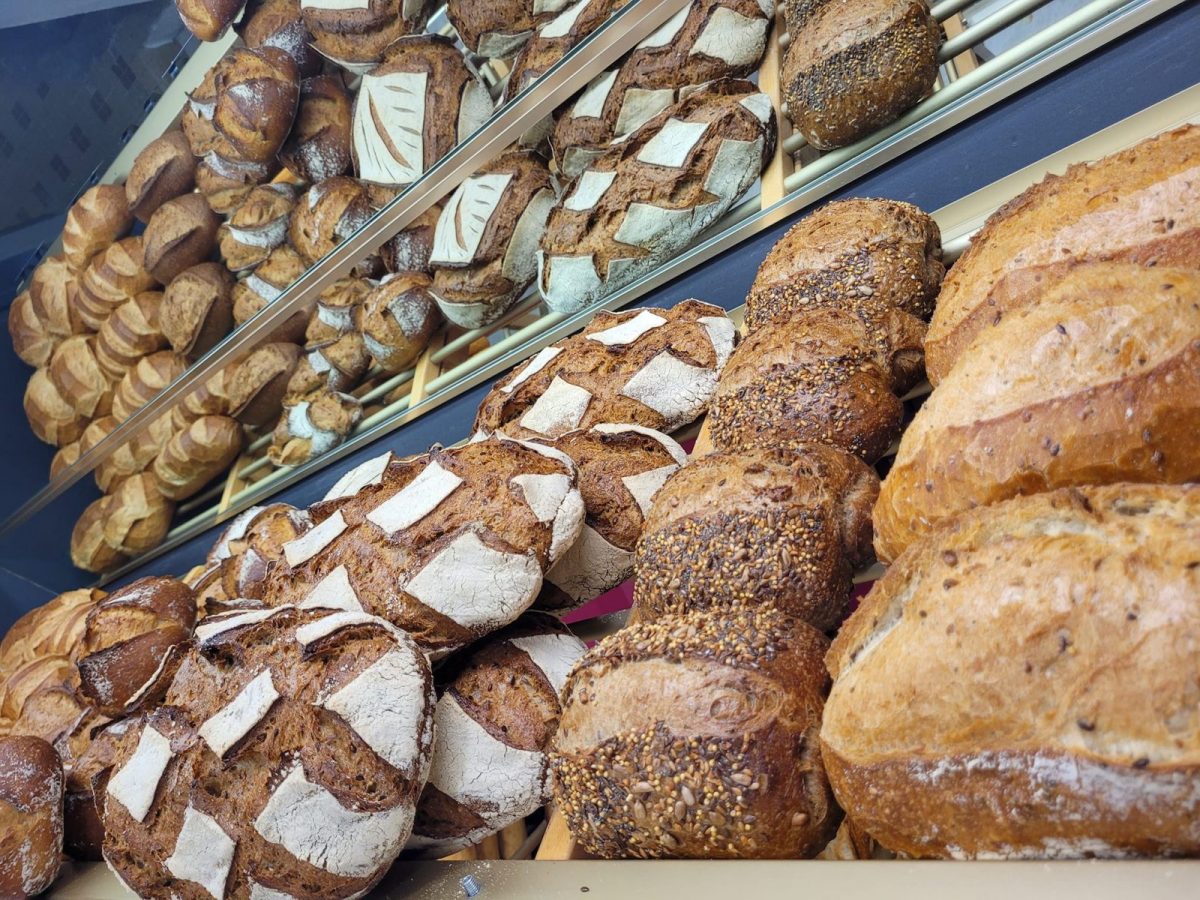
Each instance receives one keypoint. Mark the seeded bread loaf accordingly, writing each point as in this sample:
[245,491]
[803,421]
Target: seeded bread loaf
[1098,382]
[357,36]
[162,171]
[668,745]
[98,218]
[1150,214]
[288,759]
[31,816]
[854,66]
[1018,683]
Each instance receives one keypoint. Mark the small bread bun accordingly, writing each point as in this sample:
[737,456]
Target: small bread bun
[181,233]
[257,95]
[197,309]
[89,550]
[139,516]
[162,171]
[97,219]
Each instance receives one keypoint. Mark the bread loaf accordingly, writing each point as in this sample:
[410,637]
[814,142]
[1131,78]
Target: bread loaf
[337,365]
[98,218]
[138,517]
[252,544]
[209,399]
[1018,685]
[696,736]
[31,821]
[196,117]
[280,23]
[1098,382]
[83,832]
[499,30]
[24,681]
[854,66]
[486,240]
[339,309]
[1150,215]
[226,183]
[358,37]
[89,550]
[197,309]
[132,331]
[652,367]
[257,226]
[78,377]
[162,171]
[137,453]
[312,426]
[96,432]
[288,759]
[494,723]
[652,194]
[114,276]
[208,19]
[706,41]
[259,382]
[53,292]
[65,457]
[399,317]
[328,214]
[363,475]
[257,95]
[51,418]
[413,108]
[409,249]
[282,267]
[319,144]
[54,628]
[32,343]
[141,383]
[181,233]
[197,455]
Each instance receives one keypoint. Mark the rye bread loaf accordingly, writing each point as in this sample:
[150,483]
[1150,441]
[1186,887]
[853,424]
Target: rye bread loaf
[313,425]
[282,267]
[621,467]
[651,195]
[280,23]
[181,233]
[499,29]
[413,108]
[854,66]
[83,832]
[98,218]
[652,367]
[257,95]
[319,144]
[399,317]
[696,736]
[288,759]
[786,526]
[1098,382]
[450,546]
[486,241]
[358,35]
[258,384]
[31,816]
[31,340]
[162,171]
[555,39]
[495,720]
[339,310]
[1018,684]
[705,41]
[409,250]
[1141,205]
[857,253]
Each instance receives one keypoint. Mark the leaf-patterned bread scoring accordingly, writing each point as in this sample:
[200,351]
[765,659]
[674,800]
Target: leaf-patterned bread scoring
[387,135]
[461,226]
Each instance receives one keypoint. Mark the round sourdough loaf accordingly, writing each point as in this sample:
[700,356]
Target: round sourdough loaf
[257,226]
[64,458]
[494,720]
[55,627]
[338,312]
[132,644]
[31,816]
[652,367]
[226,182]
[785,526]
[319,144]
[280,23]
[399,317]
[209,399]
[208,19]
[197,309]
[282,267]
[313,425]
[257,95]
[450,545]
[98,218]
[287,760]
[621,467]
[181,233]
[162,171]
[135,455]
[1021,683]
[329,213]
[696,736]
[336,365]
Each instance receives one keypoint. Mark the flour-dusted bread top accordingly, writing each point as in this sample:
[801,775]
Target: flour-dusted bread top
[1020,684]
[31,816]
[621,468]
[449,545]
[288,759]
[1098,382]
[495,720]
[326,215]
[650,195]
[1150,215]
[399,317]
[705,41]
[652,367]
[499,28]
[313,425]
[413,108]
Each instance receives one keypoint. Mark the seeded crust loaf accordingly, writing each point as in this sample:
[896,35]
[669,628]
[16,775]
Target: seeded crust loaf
[695,736]
[288,758]
[495,721]
[1098,382]
[1020,684]
[1141,205]
[652,367]
[765,525]
[449,545]
[854,254]
[705,41]
[31,816]
[854,66]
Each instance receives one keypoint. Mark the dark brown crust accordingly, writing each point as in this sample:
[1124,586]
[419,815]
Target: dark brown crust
[197,309]
[31,825]
[473,19]
[257,95]
[260,382]
[540,53]
[162,171]
[392,348]
[279,23]
[319,144]
[181,233]
[208,19]
[328,214]
[409,250]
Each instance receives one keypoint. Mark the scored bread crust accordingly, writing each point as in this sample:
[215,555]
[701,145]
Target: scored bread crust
[1141,205]
[31,816]
[1019,683]
[1099,382]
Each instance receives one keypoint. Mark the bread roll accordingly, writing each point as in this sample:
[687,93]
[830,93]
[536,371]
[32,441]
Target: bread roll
[53,287]
[257,95]
[162,171]
[139,517]
[336,365]
[259,382]
[31,822]
[409,250]
[181,233]
[132,331]
[357,39]
[51,418]
[143,382]
[854,66]
[1098,382]
[264,285]
[696,736]
[114,276]
[197,309]
[319,144]
[78,377]
[328,214]
[280,23]
[399,318]
[226,183]
[339,309]
[89,550]
[208,19]
[257,226]
[1020,684]
[98,218]
[197,455]
[312,426]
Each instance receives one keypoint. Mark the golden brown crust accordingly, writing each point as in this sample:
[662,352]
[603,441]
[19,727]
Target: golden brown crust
[98,218]
[30,339]
[51,418]
[399,317]
[79,378]
[113,277]
[141,383]
[259,383]
[162,171]
[89,550]
[139,516]
[129,333]
[257,226]
[197,455]
[208,19]
[361,37]
[197,309]
[339,310]
[328,214]
[52,293]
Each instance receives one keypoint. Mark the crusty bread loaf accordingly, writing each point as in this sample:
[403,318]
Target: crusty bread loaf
[339,310]
[399,317]
[162,171]
[257,226]
[52,628]
[197,309]
[250,546]
[1098,382]
[334,365]
[31,816]
[319,144]
[208,19]
[259,382]
[409,250]
[765,525]
[129,333]
[181,233]
[328,214]
[79,378]
[280,23]
[197,455]
[65,457]
[83,832]
[1140,205]
[139,516]
[114,275]
[312,426]
[141,383]
[499,28]
[89,550]
[31,341]
[196,117]
[226,183]
[1021,682]
[357,37]
[53,290]
[696,736]
[98,218]
[257,95]
[209,399]
[264,285]
[51,418]
[854,66]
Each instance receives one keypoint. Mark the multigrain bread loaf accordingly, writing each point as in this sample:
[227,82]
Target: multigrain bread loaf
[705,41]
[357,36]
[1019,683]
[855,254]
[98,218]
[257,226]
[181,233]
[328,214]
[319,144]
[494,723]
[197,309]
[1141,205]
[51,418]
[1096,383]
[280,23]
[785,526]
[652,194]
[450,545]
[31,816]
[486,241]
[854,66]
[162,171]
[287,760]
[114,275]
[652,367]
[132,331]
[31,341]
[399,317]
[696,736]
[197,455]
[89,550]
